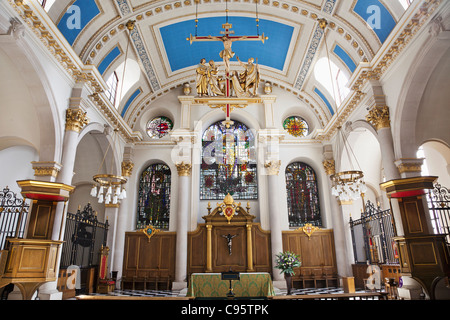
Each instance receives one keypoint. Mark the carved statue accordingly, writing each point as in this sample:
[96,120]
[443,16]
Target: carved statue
[215,81]
[250,77]
[202,78]
[229,238]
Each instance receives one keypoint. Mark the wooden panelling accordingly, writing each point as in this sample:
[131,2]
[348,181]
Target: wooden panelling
[221,258]
[144,258]
[317,255]
[41,220]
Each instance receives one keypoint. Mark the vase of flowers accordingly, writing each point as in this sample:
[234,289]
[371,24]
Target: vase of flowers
[286,262]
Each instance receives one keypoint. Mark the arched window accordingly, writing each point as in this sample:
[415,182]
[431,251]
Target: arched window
[296,126]
[228,163]
[154,197]
[336,83]
[159,127]
[112,84]
[302,195]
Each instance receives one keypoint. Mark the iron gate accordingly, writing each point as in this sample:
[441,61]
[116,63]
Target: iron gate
[439,208]
[372,236]
[13,216]
[83,238]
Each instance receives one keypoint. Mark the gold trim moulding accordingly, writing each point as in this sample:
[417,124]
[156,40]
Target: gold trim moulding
[119,180]
[408,184]
[45,188]
[225,101]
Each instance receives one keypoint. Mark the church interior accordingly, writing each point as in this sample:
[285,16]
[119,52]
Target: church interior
[200,149]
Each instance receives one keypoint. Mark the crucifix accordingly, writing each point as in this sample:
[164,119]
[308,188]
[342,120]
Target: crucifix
[227,54]
[229,239]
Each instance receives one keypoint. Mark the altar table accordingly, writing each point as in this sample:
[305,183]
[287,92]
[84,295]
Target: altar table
[211,285]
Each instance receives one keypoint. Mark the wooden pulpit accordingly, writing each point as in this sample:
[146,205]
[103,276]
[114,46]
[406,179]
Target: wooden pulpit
[29,263]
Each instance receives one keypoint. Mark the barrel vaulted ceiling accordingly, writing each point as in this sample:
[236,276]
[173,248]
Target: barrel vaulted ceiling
[167,60]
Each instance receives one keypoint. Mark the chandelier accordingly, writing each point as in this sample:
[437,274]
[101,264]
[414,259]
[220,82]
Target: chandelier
[108,188]
[346,185]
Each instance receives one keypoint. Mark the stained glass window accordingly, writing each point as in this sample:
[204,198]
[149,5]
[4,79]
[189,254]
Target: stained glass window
[159,127]
[228,163]
[302,195]
[296,126]
[154,197]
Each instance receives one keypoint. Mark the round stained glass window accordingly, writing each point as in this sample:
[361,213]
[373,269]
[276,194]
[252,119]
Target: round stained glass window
[159,127]
[296,126]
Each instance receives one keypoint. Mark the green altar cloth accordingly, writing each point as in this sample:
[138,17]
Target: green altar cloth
[211,285]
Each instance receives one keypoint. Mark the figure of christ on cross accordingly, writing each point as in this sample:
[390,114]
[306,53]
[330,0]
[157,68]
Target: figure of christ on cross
[227,53]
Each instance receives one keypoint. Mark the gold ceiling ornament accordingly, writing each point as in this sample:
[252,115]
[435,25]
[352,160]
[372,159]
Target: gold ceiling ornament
[150,231]
[76,119]
[329,166]
[109,188]
[379,117]
[184,169]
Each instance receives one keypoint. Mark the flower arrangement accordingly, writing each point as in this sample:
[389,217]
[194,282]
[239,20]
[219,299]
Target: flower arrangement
[287,261]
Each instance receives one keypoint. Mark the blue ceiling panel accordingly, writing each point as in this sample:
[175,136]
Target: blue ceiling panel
[182,54]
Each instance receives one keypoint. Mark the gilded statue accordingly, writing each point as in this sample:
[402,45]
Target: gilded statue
[250,77]
[215,82]
[202,78]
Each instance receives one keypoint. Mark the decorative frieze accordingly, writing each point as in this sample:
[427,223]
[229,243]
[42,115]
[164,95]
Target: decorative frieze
[46,168]
[409,165]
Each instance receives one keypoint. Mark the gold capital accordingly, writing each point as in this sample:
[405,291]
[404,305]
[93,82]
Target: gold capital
[184,169]
[75,119]
[379,117]
[273,167]
[46,169]
[127,168]
[329,166]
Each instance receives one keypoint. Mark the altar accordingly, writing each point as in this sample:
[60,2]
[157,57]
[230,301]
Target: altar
[211,285]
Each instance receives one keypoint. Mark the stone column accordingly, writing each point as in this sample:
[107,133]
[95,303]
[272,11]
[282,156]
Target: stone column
[184,174]
[122,221]
[75,121]
[380,120]
[342,256]
[272,170]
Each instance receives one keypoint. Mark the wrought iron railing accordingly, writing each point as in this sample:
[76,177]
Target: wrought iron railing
[83,238]
[13,215]
[439,208]
[373,236]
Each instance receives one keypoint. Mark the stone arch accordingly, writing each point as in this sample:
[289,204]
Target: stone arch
[31,100]
[428,65]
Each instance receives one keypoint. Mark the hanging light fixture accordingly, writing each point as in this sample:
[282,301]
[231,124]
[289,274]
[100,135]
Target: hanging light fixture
[108,188]
[347,185]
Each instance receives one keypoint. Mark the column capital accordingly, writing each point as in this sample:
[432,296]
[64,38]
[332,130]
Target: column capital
[409,166]
[127,168]
[273,167]
[76,119]
[329,166]
[379,117]
[184,169]
[46,168]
